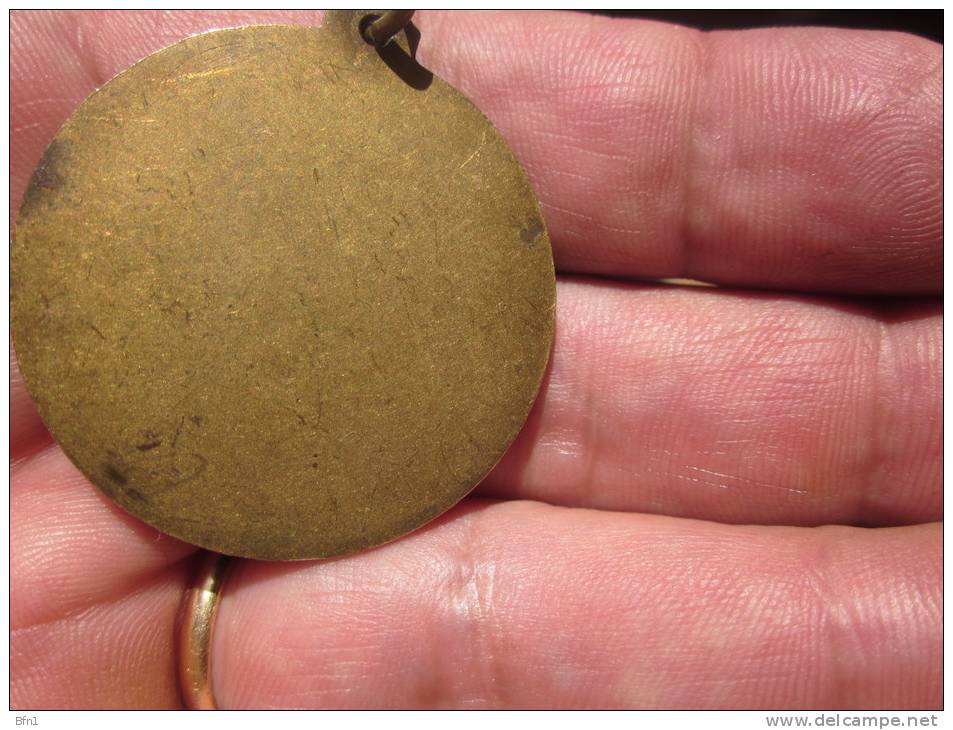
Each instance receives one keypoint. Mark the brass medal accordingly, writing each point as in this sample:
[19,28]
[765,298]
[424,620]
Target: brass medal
[280,293]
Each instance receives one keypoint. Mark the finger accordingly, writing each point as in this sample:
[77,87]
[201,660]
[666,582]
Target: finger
[94,593]
[71,548]
[113,655]
[27,432]
[801,158]
[521,605]
[735,407]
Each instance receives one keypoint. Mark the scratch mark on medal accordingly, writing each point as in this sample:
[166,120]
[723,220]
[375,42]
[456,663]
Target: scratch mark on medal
[334,225]
[332,73]
[204,52]
[406,302]
[192,471]
[96,329]
[152,442]
[117,120]
[301,419]
[446,462]
[201,74]
[473,442]
[475,152]
[178,430]
[337,70]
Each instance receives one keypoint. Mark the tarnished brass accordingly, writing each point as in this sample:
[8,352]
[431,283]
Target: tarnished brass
[280,293]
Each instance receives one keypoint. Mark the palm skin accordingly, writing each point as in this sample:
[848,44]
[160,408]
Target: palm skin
[723,498]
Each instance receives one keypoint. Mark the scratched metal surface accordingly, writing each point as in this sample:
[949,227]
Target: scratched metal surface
[280,295]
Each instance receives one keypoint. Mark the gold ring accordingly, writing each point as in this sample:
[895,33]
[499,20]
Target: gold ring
[194,635]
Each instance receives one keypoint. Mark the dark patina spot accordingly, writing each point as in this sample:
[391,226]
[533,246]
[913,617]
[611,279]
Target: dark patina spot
[136,494]
[113,474]
[149,440]
[531,233]
[49,174]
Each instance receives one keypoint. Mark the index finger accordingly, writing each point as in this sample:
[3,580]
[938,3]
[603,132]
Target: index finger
[798,158]
[801,158]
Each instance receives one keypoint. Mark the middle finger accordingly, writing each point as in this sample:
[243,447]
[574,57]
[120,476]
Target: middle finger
[736,407]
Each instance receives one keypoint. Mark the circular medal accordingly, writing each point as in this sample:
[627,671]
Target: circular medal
[280,293]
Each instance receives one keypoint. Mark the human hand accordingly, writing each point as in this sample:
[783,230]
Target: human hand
[651,539]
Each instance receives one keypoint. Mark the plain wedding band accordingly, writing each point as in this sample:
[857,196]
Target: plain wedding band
[196,625]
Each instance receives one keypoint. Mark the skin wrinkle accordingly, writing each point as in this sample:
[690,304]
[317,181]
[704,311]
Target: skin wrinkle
[83,53]
[691,158]
[469,595]
[837,639]
[493,678]
[147,582]
[591,456]
[903,362]
[866,623]
[881,346]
